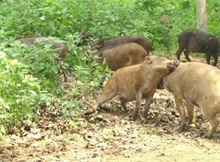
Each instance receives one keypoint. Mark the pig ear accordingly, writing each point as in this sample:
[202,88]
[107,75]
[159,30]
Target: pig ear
[148,60]
[100,54]
[99,44]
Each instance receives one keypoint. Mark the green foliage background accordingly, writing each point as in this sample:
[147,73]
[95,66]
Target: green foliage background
[26,84]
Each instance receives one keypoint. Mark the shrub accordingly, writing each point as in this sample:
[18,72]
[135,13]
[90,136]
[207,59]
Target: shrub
[20,92]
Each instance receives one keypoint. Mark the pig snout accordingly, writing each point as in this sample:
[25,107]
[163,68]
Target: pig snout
[173,65]
[176,62]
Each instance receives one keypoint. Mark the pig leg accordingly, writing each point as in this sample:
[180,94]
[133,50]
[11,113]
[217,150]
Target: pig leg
[190,110]
[208,57]
[215,60]
[106,96]
[213,120]
[147,106]
[186,53]
[103,99]
[152,53]
[179,51]
[63,70]
[109,92]
[138,105]
[123,104]
[181,110]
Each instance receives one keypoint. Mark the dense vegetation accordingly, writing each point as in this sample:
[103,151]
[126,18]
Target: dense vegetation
[29,75]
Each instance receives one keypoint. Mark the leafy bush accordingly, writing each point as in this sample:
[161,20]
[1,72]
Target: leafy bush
[39,60]
[213,9]
[20,92]
[104,18]
[30,78]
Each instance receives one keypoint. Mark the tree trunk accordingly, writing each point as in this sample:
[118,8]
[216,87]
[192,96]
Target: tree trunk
[201,15]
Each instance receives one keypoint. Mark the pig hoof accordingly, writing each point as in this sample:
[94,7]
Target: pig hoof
[183,128]
[104,109]
[90,113]
[134,117]
[144,121]
[208,136]
[124,110]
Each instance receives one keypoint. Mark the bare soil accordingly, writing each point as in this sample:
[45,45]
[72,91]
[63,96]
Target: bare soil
[111,136]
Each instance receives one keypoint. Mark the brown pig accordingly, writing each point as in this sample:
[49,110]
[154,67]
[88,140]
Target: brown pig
[123,55]
[137,82]
[59,46]
[199,85]
[107,43]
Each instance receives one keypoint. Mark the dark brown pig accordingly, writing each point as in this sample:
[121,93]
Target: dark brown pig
[123,55]
[59,46]
[193,40]
[103,44]
[83,37]
[137,82]
[199,85]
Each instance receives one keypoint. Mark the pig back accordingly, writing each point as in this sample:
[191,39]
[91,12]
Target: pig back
[57,45]
[124,55]
[143,41]
[29,40]
[199,41]
[194,81]
[61,49]
[108,43]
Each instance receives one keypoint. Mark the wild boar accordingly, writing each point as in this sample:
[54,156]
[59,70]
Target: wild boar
[123,55]
[193,40]
[199,85]
[59,46]
[136,82]
[107,43]
[83,37]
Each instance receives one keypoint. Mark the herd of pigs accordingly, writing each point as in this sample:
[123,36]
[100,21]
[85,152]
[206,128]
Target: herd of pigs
[138,74]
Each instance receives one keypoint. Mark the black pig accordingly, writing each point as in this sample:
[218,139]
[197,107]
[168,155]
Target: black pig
[193,40]
[108,43]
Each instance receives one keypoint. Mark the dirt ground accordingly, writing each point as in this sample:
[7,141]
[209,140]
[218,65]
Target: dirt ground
[111,136]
